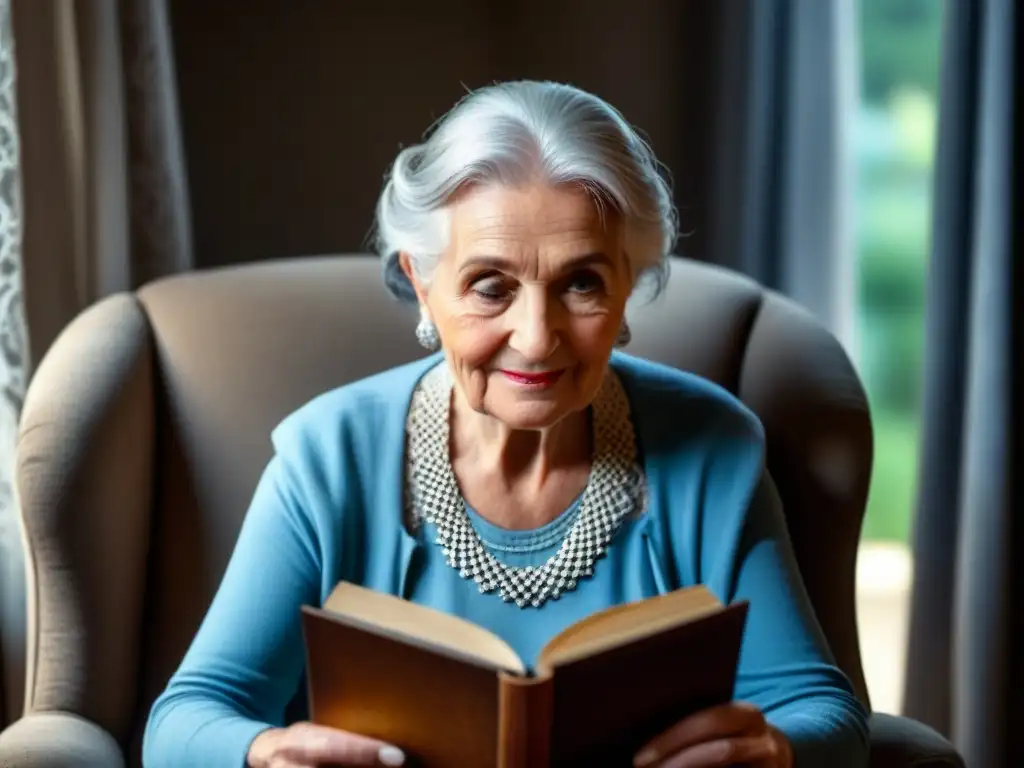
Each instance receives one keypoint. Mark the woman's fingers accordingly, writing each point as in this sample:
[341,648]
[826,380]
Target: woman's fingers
[316,745]
[723,753]
[708,725]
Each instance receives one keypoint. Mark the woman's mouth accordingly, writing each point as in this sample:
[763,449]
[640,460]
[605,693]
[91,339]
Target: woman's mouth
[539,380]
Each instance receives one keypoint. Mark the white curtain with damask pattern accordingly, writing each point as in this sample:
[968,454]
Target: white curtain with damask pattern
[12,318]
[93,200]
[13,351]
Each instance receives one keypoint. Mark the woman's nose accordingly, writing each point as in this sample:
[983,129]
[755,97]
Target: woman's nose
[535,330]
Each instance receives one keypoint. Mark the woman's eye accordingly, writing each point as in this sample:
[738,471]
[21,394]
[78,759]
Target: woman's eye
[491,290]
[586,283]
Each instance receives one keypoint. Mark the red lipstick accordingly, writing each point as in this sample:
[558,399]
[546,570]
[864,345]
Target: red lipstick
[538,380]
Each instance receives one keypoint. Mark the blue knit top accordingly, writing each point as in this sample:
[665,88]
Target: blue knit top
[330,507]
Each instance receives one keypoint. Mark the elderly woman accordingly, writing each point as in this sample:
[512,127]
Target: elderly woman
[521,227]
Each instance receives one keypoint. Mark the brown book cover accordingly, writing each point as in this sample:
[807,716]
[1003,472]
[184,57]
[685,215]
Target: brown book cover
[451,694]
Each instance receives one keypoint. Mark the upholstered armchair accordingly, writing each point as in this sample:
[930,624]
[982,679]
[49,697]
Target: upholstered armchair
[146,427]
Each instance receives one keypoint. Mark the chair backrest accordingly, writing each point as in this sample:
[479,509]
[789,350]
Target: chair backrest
[146,428]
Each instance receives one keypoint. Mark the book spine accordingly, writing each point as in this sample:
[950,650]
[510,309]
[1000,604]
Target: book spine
[525,707]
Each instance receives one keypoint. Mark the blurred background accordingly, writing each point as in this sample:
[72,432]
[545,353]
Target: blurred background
[853,154]
[894,146]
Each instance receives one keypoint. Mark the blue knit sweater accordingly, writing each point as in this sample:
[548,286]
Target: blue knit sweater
[329,507]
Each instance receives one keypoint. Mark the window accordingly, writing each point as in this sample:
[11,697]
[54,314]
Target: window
[894,149]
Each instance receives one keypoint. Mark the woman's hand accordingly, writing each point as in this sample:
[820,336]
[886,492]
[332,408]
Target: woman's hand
[305,745]
[731,734]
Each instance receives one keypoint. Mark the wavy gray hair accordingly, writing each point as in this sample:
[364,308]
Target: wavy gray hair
[507,133]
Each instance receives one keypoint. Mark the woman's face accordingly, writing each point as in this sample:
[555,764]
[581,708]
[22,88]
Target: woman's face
[528,300]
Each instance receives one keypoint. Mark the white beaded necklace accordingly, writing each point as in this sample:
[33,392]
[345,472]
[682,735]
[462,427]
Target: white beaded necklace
[614,491]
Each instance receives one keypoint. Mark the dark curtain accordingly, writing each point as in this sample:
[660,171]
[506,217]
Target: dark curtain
[781,189]
[960,675]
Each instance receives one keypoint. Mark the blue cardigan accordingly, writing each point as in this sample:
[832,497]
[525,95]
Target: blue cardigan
[329,507]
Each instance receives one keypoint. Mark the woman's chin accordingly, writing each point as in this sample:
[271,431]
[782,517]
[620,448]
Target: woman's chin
[529,414]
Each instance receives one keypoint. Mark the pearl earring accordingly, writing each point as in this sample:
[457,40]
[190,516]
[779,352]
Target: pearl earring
[625,335]
[426,333]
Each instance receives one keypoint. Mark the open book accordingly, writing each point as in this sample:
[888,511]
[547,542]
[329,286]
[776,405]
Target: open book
[452,694]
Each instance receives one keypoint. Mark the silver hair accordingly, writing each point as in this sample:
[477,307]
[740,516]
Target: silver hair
[507,133]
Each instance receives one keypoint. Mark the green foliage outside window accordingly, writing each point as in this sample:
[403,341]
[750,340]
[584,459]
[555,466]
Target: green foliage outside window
[900,44]
[899,47]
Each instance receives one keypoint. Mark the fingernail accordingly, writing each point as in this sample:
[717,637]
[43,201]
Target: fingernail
[391,756]
[645,757]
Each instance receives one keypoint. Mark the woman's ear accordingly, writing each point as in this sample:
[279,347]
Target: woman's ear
[406,263]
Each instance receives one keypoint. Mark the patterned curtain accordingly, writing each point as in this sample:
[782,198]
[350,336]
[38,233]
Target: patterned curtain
[13,373]
[93,200]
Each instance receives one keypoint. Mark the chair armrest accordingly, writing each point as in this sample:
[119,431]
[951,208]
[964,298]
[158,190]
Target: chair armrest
[899,742]
[58,740]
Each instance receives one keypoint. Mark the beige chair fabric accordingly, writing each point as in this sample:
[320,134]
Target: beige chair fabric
[146,428]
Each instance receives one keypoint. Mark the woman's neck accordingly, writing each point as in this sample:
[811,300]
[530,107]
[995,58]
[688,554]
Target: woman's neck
[522,459]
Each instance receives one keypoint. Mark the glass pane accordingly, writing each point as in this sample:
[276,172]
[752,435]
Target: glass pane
[895,141]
